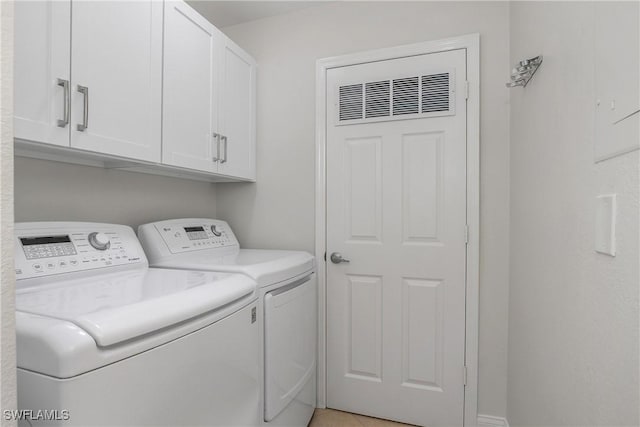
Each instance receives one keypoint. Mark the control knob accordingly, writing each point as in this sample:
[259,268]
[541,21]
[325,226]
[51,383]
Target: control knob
[215,231]
[100,241]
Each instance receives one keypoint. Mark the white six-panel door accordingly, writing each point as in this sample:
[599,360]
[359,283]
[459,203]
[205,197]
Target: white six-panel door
[117,56]
[396,208]
[190,98]
[42,73]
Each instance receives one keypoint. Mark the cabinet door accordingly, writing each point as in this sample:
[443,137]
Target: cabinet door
[42,68]
[190,98]
[117,56]
[238,113]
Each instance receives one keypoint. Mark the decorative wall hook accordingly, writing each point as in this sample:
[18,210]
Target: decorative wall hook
[523,72]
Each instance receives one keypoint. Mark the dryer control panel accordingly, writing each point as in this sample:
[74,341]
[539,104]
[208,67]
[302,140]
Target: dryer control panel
[47,248]
[186,235]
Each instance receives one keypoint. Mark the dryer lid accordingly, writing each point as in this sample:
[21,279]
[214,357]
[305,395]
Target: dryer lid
[265,266]
[116,307]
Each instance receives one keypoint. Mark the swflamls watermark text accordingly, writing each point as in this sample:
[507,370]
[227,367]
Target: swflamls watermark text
[36,415]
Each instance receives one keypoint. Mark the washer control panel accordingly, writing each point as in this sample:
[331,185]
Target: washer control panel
[192,236]
[44,249]
[47,246]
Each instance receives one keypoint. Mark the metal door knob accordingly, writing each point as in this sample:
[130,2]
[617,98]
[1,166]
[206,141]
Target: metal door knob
[337,258]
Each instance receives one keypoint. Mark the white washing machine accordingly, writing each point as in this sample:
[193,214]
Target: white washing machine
[104,340]
[287,305]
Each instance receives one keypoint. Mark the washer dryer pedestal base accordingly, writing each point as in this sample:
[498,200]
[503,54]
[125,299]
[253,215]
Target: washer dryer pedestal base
[299,412]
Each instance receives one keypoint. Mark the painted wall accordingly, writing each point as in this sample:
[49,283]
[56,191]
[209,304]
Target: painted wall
[51,191]
[8,395]
[278,211]
[573,318]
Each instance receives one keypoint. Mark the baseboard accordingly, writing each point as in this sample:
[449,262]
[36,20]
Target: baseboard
[491,421]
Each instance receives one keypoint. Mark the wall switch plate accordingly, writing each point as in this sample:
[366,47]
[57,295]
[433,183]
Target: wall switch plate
[606,224]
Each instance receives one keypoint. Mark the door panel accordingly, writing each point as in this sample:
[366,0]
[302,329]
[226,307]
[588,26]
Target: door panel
[421,187]
[117,55]
[364,189]
[42,56]
[190,105]
[364,357]
[237,115]
[422,328]
[396,208]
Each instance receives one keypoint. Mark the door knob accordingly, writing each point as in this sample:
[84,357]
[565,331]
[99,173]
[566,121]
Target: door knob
[337,258]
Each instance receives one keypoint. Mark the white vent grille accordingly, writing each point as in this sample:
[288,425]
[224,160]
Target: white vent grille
[428,95]
[377,99]
[406,98]
[351,102]
[435,93]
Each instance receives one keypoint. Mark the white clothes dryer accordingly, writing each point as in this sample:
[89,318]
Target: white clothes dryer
[287,307]
[104,340]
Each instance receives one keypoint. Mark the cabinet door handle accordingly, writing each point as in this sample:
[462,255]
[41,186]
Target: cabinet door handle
[65,86]
[216,139]
[224,140]
[85,112]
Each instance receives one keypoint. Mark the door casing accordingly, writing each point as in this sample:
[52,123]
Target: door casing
[471,43]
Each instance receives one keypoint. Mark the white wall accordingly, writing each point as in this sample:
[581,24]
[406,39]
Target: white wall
[278,211]
[573,318]
[51,191]
[7,277]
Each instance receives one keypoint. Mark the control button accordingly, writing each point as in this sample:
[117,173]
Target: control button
[18,271]
[51,265]
[62,264]
[215,231]
[100,241]
[37,267]
[73,262]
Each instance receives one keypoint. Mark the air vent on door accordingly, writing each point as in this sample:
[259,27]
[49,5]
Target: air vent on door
[435,93]
[429,95]
[406,96]
[351,102]
[377,99]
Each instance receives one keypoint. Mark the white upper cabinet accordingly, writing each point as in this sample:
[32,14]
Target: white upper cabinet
[190,102]
[41,74]
[116,69]
[139,84]
[238,113]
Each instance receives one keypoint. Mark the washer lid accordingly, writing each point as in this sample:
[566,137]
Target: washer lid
[265,266]
[117,307]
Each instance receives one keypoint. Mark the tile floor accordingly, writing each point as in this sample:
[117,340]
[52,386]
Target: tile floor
[333,418]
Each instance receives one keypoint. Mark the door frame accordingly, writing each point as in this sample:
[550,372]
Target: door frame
[470,42]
